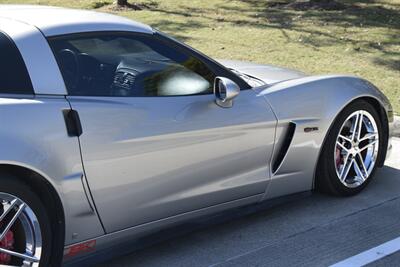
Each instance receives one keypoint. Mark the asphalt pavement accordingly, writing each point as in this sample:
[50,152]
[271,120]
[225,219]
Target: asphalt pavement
[316,230]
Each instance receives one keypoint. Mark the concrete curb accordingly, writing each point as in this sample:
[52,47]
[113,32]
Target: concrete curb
[396,130]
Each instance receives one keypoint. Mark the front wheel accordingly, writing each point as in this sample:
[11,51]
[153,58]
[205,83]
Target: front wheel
[349,157]
[25,236]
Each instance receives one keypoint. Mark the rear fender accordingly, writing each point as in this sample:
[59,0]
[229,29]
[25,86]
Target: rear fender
[33,136]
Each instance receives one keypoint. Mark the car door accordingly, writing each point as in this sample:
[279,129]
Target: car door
[154,143]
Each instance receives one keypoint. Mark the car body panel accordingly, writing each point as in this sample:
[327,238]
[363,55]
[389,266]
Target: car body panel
[35,138]
[267,73]
[156,157]
[53,21]
[314,103]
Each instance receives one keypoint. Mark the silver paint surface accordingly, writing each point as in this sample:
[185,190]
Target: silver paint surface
[156,157]
[33,136]
[57,21]
[310,102]
[267,73]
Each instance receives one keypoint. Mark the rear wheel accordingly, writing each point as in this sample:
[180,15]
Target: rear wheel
[25,236]
[349,156]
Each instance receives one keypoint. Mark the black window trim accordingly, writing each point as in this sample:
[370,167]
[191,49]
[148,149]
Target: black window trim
[217,68]
[30,90]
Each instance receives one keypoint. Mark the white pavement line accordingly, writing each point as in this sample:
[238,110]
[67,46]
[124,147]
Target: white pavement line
[371,255]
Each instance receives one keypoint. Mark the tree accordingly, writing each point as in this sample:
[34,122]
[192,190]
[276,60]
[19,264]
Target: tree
[122,2]
[327,4]
[316,4]
[126,5]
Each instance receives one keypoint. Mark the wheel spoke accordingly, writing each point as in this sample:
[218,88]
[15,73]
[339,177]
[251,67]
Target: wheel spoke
[354,126]
[346,168]
[345,138]
[358,171]
[21,207]
[362,164]
[369,136]
[360,124]
[342,146]
[368,145]
[19,255]
[5,212]
[346,161]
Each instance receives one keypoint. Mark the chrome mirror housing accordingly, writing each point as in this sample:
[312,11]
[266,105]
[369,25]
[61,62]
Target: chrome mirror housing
[225,90]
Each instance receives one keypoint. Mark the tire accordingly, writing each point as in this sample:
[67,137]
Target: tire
[333,175]
[11,186]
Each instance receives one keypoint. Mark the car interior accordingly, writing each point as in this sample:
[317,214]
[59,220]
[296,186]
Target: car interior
[122,66]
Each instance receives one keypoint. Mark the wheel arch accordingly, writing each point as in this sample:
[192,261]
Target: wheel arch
[384,122]
[315,102]
[50,199]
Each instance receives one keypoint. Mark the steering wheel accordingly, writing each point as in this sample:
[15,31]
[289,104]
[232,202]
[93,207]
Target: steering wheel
[71,67]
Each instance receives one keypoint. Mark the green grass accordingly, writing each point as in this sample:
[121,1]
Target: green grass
[362,40]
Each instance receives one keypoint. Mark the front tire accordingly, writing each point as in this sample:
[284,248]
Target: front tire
[25,235]
[349,157]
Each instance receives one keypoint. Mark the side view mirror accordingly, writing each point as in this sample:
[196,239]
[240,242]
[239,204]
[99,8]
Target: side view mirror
[225,90]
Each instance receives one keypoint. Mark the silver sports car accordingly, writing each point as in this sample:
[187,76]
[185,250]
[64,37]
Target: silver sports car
[111,130]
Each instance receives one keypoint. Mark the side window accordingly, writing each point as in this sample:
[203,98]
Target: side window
[14,77]
[128,65]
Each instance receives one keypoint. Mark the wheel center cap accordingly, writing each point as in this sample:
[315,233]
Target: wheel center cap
[354,150]
[354,147]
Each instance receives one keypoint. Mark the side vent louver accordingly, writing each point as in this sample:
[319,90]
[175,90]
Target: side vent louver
[283,146]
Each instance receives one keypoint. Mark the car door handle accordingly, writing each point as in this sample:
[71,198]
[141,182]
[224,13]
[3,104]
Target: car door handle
[72,122]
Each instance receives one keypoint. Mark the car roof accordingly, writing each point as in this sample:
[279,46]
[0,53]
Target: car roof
[53,21]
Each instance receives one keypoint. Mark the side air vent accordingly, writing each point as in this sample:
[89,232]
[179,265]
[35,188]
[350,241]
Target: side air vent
[283,146]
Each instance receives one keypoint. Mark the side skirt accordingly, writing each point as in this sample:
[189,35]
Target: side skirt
[126,241]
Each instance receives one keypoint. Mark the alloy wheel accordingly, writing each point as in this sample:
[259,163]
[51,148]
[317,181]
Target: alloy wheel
[20,234]
[356,149]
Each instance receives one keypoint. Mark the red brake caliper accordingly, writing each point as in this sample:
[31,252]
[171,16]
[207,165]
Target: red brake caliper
[338,157]
[7,243]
